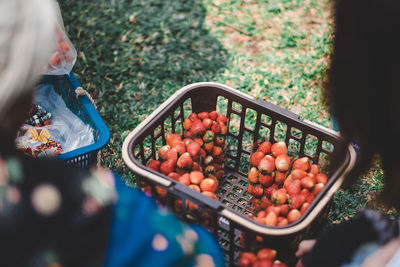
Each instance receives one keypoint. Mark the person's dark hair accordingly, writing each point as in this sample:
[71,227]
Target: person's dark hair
[363,85]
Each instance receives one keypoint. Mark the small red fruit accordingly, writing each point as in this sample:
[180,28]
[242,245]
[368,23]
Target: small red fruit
[265,179]
[260,220]
[253,175]
[154,165]
[307,182]
[282,221]
[296,201]
[193,148]
[258,190]
[302,164]
[187,124]
[216,151]
[266,253]
[224,129]
[209,185]
[202,115]
[219,140]
[274,209]
[305,192]
[321,178]
[178,205]
[261,214]
[196,177]
[163,151]
[209,170]
[222,118]
[198,128]
[214,178]
[195,166]
[288,181]
[283,210]
[312,177]
[294,187]
[314,169]
[279,148]
[56,59]
[304,207]
[247,259]
[208,136]
[293,215]
[191,206]
[64,47]
[219,174]
[193,117]
[167,167]
[187,141]
[271,219]
[185,161]
[279,196]
[199,141]
[174,175]
[282,162]
[208,160]
[171,154]
[213,115]
[298,174]
[208,146]
[265,202]
[265,147]
[180,147]
[185,179]
[279,177]
[256,203]
[310,198]
[267,164]
[318,188]
[215,128]
[162,192]
[207,123]
[172,138]
[256,157]
[269,190]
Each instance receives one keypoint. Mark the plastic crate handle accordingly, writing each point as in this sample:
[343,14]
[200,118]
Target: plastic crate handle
[79,91]
[278,109]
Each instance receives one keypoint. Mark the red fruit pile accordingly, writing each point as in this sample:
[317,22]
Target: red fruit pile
[282,191]
[197,160]
[265,257]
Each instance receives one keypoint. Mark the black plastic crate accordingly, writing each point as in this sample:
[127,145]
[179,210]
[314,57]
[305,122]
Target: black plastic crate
[249,121]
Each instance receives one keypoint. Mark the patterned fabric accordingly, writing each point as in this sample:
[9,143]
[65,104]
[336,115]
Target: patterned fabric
[54,215]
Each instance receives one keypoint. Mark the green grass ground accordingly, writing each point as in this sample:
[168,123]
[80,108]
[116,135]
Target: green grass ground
[132,55]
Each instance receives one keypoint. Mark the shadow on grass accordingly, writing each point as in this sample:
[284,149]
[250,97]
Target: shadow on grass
[134,54]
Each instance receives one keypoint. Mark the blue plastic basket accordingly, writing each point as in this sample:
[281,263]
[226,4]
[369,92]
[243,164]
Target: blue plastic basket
[65,86]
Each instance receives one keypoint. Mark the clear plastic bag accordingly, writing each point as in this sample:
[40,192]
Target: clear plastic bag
[66,128]
[64,56]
